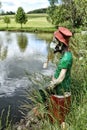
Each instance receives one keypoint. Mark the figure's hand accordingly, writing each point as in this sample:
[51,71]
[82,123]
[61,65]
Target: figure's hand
[52,85]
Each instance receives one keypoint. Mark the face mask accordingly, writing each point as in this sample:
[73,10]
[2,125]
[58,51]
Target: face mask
[58,48]
[54,43]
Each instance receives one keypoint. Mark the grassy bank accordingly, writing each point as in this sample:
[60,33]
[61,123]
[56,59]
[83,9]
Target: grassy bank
[36,22]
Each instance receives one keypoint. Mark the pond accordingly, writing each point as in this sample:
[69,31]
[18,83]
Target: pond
[21,53]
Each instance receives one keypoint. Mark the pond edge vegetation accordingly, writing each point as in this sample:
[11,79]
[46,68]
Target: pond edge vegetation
[77,118]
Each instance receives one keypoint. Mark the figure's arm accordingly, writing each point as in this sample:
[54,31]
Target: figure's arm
[59,79]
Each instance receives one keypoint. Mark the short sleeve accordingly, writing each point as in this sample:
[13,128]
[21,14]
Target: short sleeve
[66,61]
[65,64]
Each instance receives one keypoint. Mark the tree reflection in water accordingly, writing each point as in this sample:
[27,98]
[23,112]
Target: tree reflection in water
[3,52]
[22,41]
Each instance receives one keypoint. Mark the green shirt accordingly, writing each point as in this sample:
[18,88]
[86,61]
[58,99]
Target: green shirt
[65,62]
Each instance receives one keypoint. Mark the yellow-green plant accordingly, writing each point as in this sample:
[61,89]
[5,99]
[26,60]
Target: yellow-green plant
[7,124]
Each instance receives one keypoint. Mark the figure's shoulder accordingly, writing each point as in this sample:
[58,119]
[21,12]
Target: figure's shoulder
[67,55]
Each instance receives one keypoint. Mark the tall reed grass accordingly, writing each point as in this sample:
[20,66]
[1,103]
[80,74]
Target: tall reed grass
[5,123]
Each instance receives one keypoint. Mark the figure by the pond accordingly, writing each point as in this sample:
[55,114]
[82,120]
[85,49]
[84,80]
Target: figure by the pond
[62,76]
[60,87]
[61,81]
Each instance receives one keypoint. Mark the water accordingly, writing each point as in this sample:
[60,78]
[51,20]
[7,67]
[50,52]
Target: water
[20,53]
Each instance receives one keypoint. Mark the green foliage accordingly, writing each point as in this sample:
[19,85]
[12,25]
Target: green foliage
[0,5]
[21,17]
[66,24]
[74,11]
[78,12]
[7,20]
[7,124]
[9,13]
[42,10]
[56,15]
[77,118]
[51,14]
[79,82]
[53,2]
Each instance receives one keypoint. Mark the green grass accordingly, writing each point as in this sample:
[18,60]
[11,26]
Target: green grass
[37,15]
[36,22]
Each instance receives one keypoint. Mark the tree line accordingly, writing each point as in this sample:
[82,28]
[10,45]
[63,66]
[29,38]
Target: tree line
[42,10]
[68,13]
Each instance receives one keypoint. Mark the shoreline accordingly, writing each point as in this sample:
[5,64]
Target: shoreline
[30,29]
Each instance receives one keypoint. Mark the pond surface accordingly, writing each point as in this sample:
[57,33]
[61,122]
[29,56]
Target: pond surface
[20,53]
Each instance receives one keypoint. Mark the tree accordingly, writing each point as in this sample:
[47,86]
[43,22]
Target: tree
[7,20]
[51,10]
[77,11]
[73,12]
[0,4]
[9,13]
[53,2]
[51,13]
[82,11]
[21,16]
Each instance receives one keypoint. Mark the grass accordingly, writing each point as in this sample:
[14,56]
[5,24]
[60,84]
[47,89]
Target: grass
[5,124]
[36,22]
[37,15]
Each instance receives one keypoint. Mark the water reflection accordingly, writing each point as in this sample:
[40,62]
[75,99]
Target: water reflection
[45,36]
[50,55]
[3,52]
[22,41]
[5,40]
[8,37]
[21,52]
